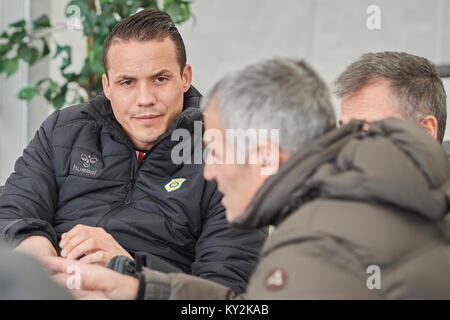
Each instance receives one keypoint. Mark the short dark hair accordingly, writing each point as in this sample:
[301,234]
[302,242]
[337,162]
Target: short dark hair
[150,24]
[414,81]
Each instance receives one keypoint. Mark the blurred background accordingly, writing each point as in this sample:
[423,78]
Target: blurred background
[219,35]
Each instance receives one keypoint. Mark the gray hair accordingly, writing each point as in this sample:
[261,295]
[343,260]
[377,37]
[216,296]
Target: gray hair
[284,94]
[414,81]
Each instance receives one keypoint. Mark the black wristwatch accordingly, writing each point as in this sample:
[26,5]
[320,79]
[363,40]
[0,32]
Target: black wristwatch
[128,267]
[124,265]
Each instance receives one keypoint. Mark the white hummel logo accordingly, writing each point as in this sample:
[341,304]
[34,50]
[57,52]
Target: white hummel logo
[88,160]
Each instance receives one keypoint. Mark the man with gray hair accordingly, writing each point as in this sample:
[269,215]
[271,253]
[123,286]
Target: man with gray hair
[357,217]
[393,84]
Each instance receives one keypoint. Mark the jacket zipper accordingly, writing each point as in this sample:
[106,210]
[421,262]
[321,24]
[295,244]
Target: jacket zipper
[127,199]
[107,215]
[130,186]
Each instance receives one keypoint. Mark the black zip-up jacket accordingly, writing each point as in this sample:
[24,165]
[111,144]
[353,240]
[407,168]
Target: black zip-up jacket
[81,168]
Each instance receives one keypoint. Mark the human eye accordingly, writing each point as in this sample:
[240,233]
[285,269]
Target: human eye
[209,155]
[125,83]
[210,152]
[161,79]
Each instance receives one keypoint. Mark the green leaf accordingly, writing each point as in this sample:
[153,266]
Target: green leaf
[34,56]
[41,22]
[4,35]
[178,10]
[48,94]
[173,9]
[18,36]
[70,76]
[19,24]
[97,68]
[149,4]
[52,89]
[66,60]
[10,66]
[109,22]
[58,101]
[4,48]
[28,54]
[185,11]
[45,47]
[91,19]
[59,49]
[27,93]
[43,80]
[24,52]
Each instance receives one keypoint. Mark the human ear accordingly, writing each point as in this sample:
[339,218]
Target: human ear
[430,124]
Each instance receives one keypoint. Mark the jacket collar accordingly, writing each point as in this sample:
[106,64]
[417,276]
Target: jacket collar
[345,165]
[282,193]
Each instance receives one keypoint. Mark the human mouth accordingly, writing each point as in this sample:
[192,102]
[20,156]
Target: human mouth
[147,119]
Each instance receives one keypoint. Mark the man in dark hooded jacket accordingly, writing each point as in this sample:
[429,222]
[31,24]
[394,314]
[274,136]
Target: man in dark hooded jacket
[357,216]
[99,179]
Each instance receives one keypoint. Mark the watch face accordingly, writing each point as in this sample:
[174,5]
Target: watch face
[130,267]
[123,265]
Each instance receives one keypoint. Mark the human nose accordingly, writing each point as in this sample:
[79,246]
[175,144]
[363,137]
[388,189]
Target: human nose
[146,96]
[209,169]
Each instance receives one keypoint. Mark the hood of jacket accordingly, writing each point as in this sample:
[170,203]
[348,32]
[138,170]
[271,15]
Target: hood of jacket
[395,163]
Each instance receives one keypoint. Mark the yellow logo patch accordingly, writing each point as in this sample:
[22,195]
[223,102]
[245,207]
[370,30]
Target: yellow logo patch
[174,184]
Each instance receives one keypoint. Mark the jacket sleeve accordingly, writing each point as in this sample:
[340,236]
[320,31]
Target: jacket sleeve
[310,268]
[180,286]
[225,255]
[29,199]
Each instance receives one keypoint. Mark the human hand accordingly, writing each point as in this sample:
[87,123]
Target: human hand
[95,282]
[37,246]
[98,246]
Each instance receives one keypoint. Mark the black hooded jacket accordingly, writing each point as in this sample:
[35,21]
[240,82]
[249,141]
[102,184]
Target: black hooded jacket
[81,168]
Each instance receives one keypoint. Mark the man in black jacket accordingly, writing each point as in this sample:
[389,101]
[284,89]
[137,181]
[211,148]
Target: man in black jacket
[98,180]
